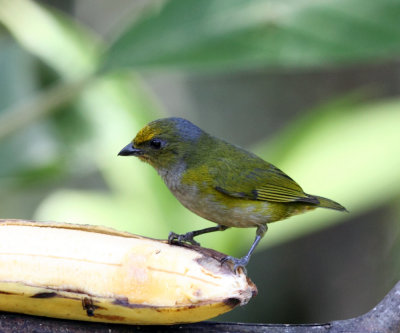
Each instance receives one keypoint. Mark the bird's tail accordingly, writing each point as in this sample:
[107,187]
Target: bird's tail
[328,203]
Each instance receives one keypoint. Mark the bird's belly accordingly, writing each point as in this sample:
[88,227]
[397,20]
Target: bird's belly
[224,210]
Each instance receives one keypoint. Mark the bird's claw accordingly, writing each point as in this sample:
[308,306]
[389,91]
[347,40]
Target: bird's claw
[237,262]
[185,238]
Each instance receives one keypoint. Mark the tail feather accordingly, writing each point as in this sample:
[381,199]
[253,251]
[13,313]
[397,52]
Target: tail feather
[328,203]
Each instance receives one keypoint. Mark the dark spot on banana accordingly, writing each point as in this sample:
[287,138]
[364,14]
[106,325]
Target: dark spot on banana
[88,306]
[44,295]
[232,302]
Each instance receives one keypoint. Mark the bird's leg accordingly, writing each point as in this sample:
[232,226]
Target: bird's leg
[189,236]
[242,262]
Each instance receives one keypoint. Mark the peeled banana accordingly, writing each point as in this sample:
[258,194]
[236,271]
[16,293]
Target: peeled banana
[94,273]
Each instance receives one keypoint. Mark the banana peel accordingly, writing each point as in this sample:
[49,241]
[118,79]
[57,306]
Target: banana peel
[94,273]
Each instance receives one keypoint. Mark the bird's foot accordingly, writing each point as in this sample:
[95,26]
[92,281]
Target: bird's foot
[237,262]
[185,238]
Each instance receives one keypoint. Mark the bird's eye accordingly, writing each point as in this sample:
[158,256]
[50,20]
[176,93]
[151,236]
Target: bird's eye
[155,144]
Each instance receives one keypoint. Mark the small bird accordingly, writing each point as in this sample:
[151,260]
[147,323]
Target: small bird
[220,181]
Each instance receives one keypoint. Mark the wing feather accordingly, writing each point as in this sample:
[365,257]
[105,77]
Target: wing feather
[264,182]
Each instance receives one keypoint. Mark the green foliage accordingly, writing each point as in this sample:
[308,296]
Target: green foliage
[238,34]
[105,107]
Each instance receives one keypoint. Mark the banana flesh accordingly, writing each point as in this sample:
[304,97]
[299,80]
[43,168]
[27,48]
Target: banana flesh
[94,273]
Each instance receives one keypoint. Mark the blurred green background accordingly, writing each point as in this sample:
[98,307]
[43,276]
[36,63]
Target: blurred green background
[311,86]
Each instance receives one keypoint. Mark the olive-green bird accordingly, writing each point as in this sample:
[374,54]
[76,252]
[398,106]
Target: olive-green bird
[219,181]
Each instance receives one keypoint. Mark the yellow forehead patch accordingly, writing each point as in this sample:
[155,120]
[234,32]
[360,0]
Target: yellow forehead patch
[145,134]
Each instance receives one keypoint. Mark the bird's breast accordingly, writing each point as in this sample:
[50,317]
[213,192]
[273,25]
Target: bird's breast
[203,199]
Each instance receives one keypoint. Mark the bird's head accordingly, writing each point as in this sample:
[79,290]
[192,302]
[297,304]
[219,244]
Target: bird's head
[164,142]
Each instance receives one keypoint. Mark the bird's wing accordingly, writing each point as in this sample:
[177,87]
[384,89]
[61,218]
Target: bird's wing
[264,182]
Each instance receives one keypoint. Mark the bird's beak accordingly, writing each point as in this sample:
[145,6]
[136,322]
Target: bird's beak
[128,150]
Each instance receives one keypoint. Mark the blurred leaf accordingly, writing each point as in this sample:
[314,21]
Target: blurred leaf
[28,111]
[17,80]
[69,125]
[281,146]
[17,70]
[94,207]
[226,34]
[51,36]
[57,41]
[19,154]
[39,175]
[351,155]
